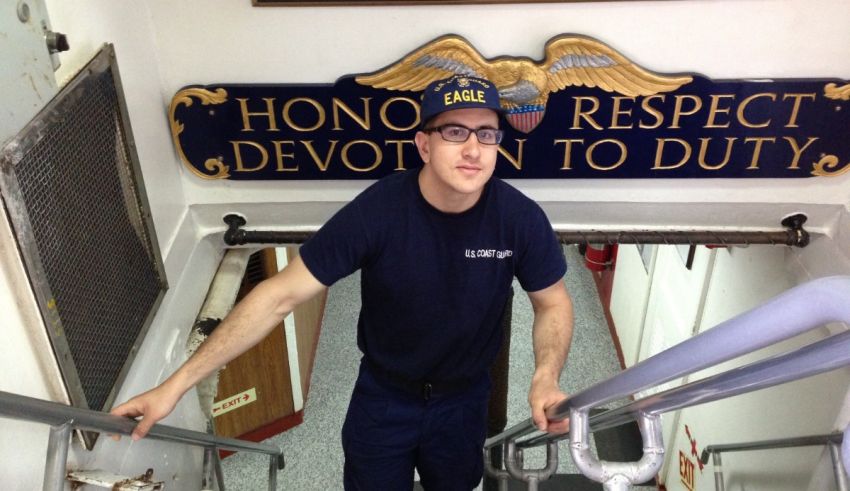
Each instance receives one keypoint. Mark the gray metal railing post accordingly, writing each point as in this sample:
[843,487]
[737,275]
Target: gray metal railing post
[717,462]
[219,474]
[57,456]
[207,478]
[845,450]
[838,467]
[616,476]
[501,475]
[272,473]
[515,465]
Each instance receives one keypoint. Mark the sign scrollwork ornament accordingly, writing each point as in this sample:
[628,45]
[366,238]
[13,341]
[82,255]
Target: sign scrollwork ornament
[218,169]
[827,165]
[832,91]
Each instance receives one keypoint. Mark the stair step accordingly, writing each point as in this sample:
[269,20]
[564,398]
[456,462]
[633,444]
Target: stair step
[107,480]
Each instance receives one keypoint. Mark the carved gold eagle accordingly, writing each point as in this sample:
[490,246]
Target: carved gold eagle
[525,84]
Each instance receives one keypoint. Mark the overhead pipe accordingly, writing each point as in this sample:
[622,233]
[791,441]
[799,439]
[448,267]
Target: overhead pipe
[794,235]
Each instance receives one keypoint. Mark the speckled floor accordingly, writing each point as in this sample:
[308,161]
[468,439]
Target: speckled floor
[313,450]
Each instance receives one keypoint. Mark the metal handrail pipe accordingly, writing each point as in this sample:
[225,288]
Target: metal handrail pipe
[792,442]
[516,431]
[16,406]
[795,235]
[819,357]
[793,312]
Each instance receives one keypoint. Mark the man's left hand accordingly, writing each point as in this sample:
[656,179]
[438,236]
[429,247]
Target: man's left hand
[544,394]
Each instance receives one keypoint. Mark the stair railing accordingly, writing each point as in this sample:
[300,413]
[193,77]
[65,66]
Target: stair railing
[64,419]
[832,441]
[789,314]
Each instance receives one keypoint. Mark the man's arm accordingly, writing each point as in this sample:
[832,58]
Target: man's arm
[552,332]
[248,323]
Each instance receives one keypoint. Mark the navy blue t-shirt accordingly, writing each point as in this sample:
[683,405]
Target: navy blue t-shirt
[434,284]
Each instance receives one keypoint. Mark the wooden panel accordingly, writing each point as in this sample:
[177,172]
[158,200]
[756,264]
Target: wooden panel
[308,324]
[264,367]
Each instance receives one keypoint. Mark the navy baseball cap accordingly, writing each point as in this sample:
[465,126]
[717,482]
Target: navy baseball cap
[459,92]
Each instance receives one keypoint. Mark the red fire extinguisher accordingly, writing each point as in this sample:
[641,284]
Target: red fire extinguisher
[597,257]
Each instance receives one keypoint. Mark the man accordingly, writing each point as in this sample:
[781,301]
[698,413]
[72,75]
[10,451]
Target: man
[438,248]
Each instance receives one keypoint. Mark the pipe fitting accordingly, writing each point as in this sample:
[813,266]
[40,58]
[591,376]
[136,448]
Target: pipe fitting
[613,475]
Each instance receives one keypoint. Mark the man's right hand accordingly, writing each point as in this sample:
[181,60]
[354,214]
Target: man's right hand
[152,406]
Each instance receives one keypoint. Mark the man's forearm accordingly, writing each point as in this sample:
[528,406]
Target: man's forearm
[552,334]
[247,324]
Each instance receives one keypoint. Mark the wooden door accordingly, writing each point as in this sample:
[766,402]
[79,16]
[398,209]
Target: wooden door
[254,399]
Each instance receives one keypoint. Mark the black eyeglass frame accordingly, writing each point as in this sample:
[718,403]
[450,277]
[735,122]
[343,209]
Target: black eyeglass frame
[500,134]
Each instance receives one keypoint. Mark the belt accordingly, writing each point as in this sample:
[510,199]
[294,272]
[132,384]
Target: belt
[423,388]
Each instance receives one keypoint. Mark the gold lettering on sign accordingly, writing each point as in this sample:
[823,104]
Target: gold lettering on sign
[657,114]
[798,99]
[589,155]
[617,112]
[678,112]
[269,113]
[754,163]
[386,120]
[375,163]
[515,161]
[660,150]
[743,107]
[795,147]
[399,151]
[363,121]
[322,164]
[568,148]
[585,115]
[320,114]
[714,109]
[237,152]
[703,148]
[279,155]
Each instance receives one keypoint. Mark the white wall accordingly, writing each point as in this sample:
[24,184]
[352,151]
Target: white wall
[629,296]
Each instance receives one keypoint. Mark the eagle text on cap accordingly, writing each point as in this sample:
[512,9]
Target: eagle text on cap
[463,95]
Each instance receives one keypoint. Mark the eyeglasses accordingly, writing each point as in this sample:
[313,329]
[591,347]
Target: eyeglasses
[456,133]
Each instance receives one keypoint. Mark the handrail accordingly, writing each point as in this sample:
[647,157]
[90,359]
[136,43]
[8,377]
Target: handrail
[819,357]
[796,441]
[832,440]
[793,312]
[63,419]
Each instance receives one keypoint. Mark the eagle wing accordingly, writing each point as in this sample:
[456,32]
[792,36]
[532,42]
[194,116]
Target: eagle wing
[577,61]
[439,59]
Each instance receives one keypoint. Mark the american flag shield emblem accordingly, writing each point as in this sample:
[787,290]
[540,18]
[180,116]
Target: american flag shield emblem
[525,118]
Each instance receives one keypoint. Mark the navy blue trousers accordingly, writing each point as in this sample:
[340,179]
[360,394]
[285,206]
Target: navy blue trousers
[388,432]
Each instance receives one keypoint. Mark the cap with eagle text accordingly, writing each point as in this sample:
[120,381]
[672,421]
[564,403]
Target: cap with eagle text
[459,92]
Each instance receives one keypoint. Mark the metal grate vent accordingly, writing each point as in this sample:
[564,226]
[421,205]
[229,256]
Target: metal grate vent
[73,191]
